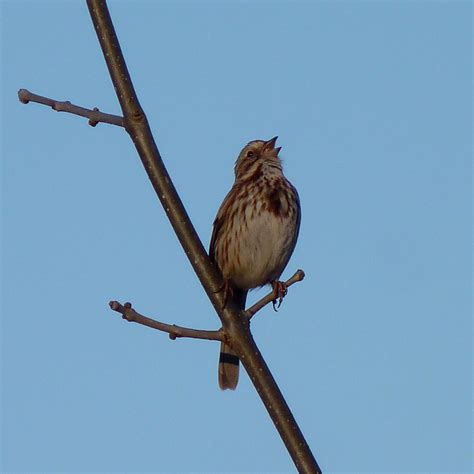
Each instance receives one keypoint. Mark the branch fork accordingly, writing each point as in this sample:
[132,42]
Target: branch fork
[174,331]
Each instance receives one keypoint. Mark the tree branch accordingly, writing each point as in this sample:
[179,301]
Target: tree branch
[236,328]
[94,115]
[235,324]
[250,312]
[174,331]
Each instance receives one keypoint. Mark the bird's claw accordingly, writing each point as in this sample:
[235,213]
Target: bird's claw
[280,289]
[228,293]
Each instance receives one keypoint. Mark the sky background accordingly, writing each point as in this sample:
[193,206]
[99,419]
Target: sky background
[372,103]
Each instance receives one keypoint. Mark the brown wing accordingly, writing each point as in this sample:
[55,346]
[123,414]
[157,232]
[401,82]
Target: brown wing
[298,216]
[215,231]
[217,226]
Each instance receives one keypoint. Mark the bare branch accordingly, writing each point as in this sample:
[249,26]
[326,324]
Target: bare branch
[250,312]
[94,115]
[236,327]
[174,331]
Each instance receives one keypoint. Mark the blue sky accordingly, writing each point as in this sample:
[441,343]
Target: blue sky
[372,103]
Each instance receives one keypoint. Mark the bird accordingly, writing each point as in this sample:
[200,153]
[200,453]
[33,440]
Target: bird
[254,234]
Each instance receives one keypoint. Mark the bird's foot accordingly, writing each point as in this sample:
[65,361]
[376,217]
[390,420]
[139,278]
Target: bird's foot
[280,290]
[228,291]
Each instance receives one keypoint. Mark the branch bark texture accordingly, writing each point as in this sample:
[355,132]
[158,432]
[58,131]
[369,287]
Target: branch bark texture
[94,115]
[235,324]
[174,331]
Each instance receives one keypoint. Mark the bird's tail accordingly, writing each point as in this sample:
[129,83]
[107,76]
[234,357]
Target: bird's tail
[228,361]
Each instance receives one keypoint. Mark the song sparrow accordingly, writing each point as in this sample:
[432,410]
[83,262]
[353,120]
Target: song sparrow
[254,233]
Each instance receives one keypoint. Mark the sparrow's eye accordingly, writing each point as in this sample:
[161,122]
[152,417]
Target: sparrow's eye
[250,154]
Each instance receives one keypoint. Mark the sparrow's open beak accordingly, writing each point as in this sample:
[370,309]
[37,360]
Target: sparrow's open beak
[269,146]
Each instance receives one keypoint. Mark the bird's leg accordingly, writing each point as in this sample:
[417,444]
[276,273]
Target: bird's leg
[227,289]
[280,290]
[228,292]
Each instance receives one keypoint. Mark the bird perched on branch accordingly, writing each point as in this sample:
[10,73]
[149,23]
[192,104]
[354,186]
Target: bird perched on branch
[254,234]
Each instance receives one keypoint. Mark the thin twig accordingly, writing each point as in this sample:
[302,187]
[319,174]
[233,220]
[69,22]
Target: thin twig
[250,312]
[174,331]
[94,115]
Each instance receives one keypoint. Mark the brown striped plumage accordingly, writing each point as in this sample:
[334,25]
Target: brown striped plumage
[255,232]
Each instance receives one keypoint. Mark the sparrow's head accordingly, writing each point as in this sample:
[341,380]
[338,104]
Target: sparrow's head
[255,155]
